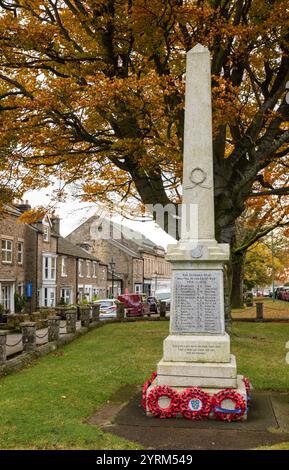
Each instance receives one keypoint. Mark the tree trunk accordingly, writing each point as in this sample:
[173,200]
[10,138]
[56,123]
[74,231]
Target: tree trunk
[237,280]
[227,290]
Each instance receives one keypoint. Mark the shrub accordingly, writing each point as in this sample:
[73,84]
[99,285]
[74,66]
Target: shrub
[20,301]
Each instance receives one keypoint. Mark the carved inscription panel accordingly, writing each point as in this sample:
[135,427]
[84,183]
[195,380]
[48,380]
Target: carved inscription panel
[197,305]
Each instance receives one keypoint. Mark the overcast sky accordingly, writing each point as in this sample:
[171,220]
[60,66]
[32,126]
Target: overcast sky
[73,213]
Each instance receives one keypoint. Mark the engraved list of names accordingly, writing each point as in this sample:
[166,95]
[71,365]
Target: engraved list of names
[197,302]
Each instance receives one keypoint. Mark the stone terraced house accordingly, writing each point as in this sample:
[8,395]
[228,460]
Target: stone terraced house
[140,264]
[37,262]
[80,274]
[14,256]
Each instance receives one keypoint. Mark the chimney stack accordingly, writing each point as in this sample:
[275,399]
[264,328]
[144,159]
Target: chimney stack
[23,206]
[55,221]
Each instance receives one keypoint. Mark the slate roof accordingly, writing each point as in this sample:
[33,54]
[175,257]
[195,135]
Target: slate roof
[65,247]
[141,242]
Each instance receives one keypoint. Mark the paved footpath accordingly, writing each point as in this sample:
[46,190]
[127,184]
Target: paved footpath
[267,424]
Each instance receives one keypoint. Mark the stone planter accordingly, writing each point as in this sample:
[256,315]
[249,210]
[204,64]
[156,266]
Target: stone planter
[14,319]
[61,311]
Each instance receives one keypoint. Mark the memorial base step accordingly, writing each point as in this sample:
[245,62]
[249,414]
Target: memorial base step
[187,374]
[197,348]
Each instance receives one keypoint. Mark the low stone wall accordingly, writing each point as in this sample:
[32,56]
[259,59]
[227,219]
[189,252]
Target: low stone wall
[57,337]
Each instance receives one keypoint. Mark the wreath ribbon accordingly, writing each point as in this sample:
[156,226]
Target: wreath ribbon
[224,414]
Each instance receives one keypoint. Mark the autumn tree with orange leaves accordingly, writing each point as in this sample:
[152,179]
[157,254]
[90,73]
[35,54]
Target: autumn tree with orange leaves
[92,91]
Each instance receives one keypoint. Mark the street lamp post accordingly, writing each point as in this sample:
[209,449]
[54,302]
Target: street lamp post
[156,281]
[112,268]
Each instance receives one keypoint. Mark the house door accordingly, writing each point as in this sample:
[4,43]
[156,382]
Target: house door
[7,297]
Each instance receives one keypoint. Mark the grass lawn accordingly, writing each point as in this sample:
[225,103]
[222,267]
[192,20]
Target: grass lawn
[273,310]
[44,406]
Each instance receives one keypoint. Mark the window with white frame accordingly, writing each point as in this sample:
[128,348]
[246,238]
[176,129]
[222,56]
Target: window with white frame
[88,266]
[20,252]
[7,297]
[20,288]
[45,296]
[80,267]
[94,269]
[7,250]
[66,295]
[49,268]
[48,297]
[138,288]
[63,266]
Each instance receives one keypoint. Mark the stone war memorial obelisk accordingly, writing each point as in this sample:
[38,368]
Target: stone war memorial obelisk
[197,376]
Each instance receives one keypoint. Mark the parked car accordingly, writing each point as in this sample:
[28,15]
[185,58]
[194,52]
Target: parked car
[145,304]
[133,304]
[248,299]
[278,293]
[283,293]
[165,297]
[153,305]
[107,308]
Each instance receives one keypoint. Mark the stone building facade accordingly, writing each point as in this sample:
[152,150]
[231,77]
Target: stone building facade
[80,275]
[46,284]
[140,265]
[36,262]
[16,243]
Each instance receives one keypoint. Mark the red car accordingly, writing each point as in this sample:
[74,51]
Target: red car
[285,295]
[132,304]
